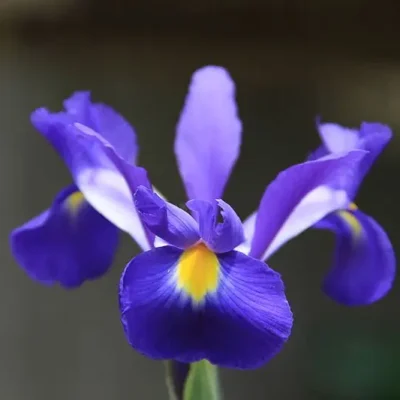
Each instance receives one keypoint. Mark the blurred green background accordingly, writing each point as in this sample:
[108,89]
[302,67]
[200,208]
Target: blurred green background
[291,60]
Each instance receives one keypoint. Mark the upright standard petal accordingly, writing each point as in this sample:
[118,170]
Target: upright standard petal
[165,220]
[104,120]
[338,139]
[208,134]
[106,180]
[372,137]
[67,244]
[192,305]
[364,264]
[220,236]
[299,197]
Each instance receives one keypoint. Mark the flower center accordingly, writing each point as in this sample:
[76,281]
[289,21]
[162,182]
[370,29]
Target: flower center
[198,272]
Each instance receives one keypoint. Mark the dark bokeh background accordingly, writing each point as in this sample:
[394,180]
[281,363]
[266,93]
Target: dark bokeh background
[291,61]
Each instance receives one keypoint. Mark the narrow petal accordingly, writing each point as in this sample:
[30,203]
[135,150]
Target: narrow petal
[208,134]
[374,137]
[371,136]
[240,320]
[338,139]
[165,220]
[299,197]
[364,264]
[67,244]
[220,236]
[106,180]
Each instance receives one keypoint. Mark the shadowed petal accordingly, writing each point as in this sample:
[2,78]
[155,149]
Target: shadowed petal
[282,215]
[219,236]
[240,320]
[105,179]
[364,264]
[67,244]
[208,134]
[165,220]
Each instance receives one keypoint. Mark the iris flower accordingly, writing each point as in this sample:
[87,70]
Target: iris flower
[200,289]
[71,242]
[364,263]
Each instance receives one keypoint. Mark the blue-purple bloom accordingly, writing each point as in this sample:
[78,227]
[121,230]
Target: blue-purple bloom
[71,242]
[200,290]
[364,262]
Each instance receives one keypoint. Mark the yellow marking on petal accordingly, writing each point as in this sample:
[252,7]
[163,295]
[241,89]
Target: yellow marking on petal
[198,272]
[352,207]
[352,221]
[74,202]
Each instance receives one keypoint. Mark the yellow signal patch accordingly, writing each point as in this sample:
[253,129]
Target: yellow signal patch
[198,272]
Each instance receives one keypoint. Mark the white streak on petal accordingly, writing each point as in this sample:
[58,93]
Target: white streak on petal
[107,191]
[158,242]
[310,210]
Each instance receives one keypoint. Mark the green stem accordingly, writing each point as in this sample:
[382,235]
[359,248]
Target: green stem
[196,381]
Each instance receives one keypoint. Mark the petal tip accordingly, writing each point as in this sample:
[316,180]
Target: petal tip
[39,115]
[212,78]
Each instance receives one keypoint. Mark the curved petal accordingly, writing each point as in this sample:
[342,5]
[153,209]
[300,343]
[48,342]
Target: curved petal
[220,236]
[208,134]
[192,305]
[374,137]
[371,136]
[104,120]
[338,139]
[105,179]
[67,244]
[205,213]
[285,209]
[364,264]
[165,220]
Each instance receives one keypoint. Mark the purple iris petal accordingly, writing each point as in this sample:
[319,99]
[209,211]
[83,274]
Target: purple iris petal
[102,119]
[283,197]
[99,173]
[338,139]
[372,137]
[165,220]
[241,324]
[67,244]
[208,134]
[219,236]
[364,264]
